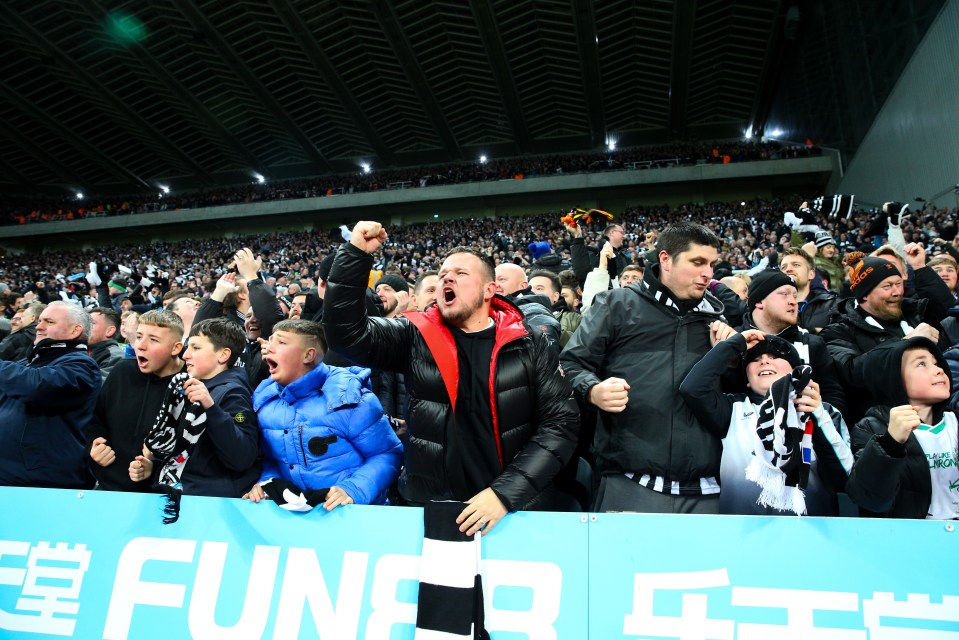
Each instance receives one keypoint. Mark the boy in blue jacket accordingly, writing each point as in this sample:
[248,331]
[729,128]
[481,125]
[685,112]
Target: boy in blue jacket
[221,458]
[324,436]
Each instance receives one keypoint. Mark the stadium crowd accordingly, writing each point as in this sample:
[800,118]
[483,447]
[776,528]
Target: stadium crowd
[703,358]
[26,210]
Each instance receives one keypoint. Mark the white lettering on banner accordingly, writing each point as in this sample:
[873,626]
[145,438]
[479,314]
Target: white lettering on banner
[256,604]
[692,624]
[544,579]
[799,605]
[390,570]
[129,590]
[303,581]
[44,586]
[916,607]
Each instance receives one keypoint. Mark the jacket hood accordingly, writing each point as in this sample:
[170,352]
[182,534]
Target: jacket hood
[884,364]
[103,345]
[549,260]
[234,375]
[524,297]
[341,385]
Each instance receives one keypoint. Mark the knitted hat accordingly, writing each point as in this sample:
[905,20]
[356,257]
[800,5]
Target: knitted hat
[116,285]
[823,238]
[396,282]
[539,249]
[777,348]
[868,273]
[326,265]
[765,283]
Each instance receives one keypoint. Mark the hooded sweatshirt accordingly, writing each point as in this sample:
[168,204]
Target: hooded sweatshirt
[890,478]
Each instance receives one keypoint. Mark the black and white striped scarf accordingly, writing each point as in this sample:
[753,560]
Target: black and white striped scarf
[451,589]
[782,451]
[172,440]
[665,297]
[833,207]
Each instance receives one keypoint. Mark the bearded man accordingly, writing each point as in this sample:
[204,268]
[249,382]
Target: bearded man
[877,313]
[491,418]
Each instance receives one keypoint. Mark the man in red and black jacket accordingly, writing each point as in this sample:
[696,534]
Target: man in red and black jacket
[491,419]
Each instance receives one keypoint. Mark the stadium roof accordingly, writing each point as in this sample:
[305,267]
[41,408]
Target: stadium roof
[123,96]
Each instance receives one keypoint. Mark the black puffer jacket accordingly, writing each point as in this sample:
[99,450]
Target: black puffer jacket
[539,317]
[631,335]
[535,420]
[890,478]
[818,310]
[17,345]
[851,337]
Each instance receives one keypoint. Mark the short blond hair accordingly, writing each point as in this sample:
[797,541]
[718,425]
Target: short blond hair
[165,319]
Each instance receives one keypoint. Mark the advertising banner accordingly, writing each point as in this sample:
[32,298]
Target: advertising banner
[103,565]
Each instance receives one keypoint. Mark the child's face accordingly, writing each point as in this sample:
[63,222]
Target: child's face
[762,372]
[156,348]
[288,357]
[925,382]
[948,274]
[203,361]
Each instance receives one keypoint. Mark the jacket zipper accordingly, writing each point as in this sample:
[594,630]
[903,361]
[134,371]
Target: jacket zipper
[302,449]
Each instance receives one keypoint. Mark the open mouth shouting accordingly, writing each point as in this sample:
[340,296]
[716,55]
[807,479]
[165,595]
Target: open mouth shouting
[271,364]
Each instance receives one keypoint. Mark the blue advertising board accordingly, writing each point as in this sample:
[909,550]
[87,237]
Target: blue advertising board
[102,565]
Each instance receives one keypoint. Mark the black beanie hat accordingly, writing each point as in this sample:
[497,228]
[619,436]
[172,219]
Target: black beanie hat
[396,282]
[777,348]
[325,265]
[765,283]
[868,273]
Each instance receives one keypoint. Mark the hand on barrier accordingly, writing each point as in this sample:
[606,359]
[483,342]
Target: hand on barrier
[482,513]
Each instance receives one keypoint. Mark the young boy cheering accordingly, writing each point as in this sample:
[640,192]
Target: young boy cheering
[325,438]
[130,398]
[215,455]
[784,449]
[906,449]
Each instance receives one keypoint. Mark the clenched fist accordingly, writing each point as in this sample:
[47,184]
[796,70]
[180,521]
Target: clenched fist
[368,236]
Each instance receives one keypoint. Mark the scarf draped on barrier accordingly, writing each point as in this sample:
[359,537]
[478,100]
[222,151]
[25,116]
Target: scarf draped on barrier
[451,589]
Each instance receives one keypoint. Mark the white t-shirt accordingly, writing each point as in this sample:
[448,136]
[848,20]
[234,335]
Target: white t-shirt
[939,443]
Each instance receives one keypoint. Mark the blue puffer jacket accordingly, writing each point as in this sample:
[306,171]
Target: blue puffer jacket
[327,429]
